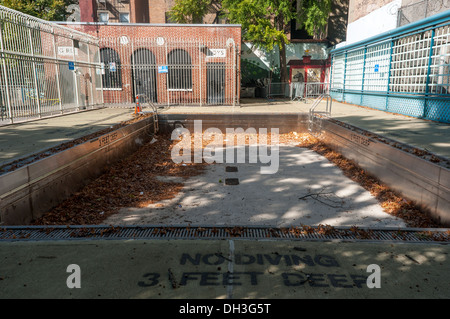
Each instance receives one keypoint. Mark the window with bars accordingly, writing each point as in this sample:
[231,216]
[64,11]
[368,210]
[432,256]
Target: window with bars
[180,70]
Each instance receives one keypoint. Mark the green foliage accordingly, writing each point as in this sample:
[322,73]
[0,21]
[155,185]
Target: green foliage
[51,10]
[264,22]
[189,11]
[314,16]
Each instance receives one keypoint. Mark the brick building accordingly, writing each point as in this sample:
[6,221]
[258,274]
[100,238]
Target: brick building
[171,64]
[136,11]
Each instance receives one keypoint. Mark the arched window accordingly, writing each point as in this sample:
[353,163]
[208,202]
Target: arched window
[180,70]
[111,71]
[144,73]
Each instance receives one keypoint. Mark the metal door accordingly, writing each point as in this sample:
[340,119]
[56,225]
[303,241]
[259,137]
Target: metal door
[215,82]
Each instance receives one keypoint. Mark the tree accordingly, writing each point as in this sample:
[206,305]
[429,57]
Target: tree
[313,15]
[266,23]
[189,11]
[50,10]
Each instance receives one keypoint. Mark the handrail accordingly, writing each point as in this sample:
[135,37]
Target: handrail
[146,99]
[313,112]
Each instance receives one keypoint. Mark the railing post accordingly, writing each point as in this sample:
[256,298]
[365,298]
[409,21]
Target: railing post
[101,75]
[57,72]
[200,71]
[5,75]
[90,76]
[34,72]
[427,87]
[75,74]
[345,74]
[330,81]
[363,75]
[391,51]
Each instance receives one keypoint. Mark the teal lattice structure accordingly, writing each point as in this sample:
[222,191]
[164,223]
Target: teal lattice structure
[405,71]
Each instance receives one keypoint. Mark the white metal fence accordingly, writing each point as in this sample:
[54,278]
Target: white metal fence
[302,90]
[170,71]
[45,69]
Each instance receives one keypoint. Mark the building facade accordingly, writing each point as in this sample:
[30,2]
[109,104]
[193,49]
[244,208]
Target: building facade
[168,64]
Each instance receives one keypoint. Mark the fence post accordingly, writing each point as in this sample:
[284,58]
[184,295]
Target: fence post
[57,72]
[391,51]
[427,87]
[363,75]
[330,81]
[345,75]
[75,74]
[200,70]
[5,74]
[38,101]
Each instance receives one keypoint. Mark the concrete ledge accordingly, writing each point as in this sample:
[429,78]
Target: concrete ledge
[30,191]
[419,180]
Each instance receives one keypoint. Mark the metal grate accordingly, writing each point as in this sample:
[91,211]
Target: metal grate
[306,233]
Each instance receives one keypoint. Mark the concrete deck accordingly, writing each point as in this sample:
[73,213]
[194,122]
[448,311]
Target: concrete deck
[23,139]
[223,269]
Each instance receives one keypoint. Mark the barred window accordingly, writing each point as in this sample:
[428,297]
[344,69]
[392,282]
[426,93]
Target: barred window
[180,70]
[111,70]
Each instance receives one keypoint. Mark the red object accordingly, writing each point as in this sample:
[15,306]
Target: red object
[137,109]
[307,63]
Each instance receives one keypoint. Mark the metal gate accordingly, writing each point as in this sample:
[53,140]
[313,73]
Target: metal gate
[144,73]
[169,71]
[215,82]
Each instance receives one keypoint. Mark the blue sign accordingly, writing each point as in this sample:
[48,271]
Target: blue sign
[71,65]
[112,66]
[163,69]
[377,67]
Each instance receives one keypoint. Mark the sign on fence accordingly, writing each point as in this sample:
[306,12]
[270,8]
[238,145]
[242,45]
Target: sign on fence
[163,69]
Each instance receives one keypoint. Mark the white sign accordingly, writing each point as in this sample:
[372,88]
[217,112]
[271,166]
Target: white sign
[160,41]
[66,51]
[124,40]
[216,53]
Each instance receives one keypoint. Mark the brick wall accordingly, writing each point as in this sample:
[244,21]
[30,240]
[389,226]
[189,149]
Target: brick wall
[194,36]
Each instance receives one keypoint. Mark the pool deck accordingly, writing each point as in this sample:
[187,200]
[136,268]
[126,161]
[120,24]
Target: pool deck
[222,269]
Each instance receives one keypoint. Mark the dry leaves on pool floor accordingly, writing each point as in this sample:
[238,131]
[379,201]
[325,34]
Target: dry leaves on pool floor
[132,182]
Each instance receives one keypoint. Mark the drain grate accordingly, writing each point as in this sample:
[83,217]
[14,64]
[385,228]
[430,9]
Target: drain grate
[307,233]
[232,181]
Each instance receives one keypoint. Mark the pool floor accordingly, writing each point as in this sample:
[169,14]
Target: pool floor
[305,190]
